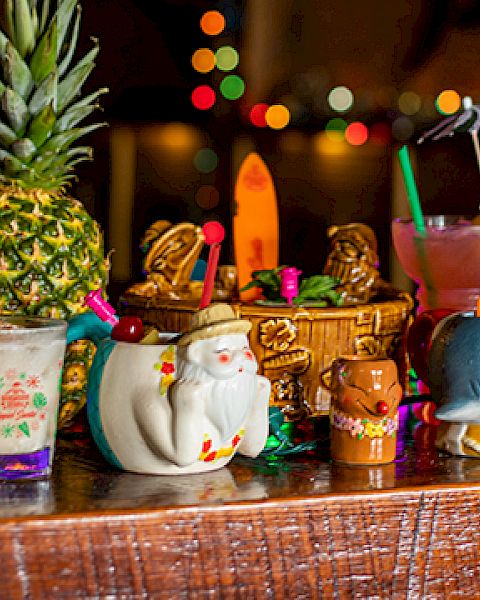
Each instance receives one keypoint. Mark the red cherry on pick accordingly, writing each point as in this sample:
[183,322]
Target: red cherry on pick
[128,329]
[381,408]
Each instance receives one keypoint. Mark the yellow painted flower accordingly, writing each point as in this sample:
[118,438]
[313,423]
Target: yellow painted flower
[373,430]
[166,382]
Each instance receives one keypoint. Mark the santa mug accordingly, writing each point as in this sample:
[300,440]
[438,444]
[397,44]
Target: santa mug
[365,395]
[186,405]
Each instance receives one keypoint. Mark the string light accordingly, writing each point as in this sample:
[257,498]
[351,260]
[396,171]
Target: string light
[257,115]
[226,58]
[402,128]
[356,133]
[203,97]
[335,129]
[380,134]
[232,87]
[409,103]
[207,197]
[340,99]
[205,160]
[203,60]
[212,22]
[277,116]
[448,102]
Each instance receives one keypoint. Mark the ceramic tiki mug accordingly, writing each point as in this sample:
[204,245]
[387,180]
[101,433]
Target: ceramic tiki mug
[453,375]
[186,405]
[364,409]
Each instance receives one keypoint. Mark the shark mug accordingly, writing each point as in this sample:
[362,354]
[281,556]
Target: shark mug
[452,372]
[186,405]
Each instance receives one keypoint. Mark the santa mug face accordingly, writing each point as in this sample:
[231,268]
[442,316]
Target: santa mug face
[364,411]
[223,356]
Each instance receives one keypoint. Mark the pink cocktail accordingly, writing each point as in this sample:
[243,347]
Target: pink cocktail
[445,262]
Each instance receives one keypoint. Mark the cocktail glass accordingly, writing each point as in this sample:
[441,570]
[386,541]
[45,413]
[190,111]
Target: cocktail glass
[444,263]
[31,361]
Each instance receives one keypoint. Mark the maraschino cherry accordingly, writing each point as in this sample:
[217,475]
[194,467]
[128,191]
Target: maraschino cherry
[125,329]
[128,329]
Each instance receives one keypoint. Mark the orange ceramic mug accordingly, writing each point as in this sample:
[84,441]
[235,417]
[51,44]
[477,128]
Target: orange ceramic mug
[364,409]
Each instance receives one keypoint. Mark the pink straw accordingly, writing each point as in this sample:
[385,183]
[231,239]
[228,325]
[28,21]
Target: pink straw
[214,234]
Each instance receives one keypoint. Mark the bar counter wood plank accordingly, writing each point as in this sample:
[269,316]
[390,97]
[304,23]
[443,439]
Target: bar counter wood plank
[299,528]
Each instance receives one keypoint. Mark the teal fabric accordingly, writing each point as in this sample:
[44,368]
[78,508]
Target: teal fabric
[87,326]
[104,349]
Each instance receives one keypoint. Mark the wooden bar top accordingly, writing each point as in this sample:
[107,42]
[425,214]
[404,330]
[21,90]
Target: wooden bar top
[300,527]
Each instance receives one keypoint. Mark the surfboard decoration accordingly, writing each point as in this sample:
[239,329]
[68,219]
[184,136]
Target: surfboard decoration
[255,223]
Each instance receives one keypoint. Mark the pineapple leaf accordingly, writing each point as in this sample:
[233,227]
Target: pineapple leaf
[73,116]
[67,58]
[44,58]
[16,73]
[9,26]
[15,110]
[23,148]
[63,18]
[41,125]
[11,164]
[24,28]
[7,136]
[45,94]
[44,16]
[34,20]
[64,139]
[44,162]
[69,87]
[88,99]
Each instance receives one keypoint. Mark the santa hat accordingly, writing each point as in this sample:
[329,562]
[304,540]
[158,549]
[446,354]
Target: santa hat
[216,319]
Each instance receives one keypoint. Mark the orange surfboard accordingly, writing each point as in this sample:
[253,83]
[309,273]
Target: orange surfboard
[255,222]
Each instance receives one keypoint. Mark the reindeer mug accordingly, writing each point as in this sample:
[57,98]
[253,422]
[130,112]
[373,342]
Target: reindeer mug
[364,409]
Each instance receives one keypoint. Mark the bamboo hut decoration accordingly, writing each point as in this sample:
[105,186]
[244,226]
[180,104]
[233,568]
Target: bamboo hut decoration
[293,343]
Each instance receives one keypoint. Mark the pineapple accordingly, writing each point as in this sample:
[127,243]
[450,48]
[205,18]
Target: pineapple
[51,250]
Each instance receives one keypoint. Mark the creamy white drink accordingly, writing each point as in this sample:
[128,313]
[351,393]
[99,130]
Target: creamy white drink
[31,360]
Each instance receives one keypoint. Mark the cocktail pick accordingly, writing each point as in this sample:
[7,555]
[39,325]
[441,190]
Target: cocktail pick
[125,329]
[101,307]
[412,192]
[214,234]
[289,283]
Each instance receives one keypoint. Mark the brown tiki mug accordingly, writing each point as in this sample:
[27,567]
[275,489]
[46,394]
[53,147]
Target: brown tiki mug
[364,409]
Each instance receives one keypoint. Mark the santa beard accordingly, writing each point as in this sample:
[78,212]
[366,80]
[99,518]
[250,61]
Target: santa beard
[228,401]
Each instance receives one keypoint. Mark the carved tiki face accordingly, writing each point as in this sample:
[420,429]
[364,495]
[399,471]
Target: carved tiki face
[364,420]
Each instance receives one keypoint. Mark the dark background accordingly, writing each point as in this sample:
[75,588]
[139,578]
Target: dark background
[146,48]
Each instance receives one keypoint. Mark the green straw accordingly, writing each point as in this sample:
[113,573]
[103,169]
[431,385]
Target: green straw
[412,192]
[419,223]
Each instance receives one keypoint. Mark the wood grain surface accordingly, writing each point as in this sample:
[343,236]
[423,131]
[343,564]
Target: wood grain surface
[302,528]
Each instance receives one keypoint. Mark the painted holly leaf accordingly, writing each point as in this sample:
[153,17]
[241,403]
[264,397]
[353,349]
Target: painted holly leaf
[7,430]
[2,382]
[39,400]
[24,428]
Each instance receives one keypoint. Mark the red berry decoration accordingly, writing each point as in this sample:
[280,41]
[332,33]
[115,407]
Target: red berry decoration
[213,232]
[128,329]
[381,408]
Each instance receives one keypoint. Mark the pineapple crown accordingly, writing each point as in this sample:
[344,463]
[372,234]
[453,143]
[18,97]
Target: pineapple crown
[40,101]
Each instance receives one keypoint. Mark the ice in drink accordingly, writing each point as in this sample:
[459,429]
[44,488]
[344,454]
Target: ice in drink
[31,360]
[445,263]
